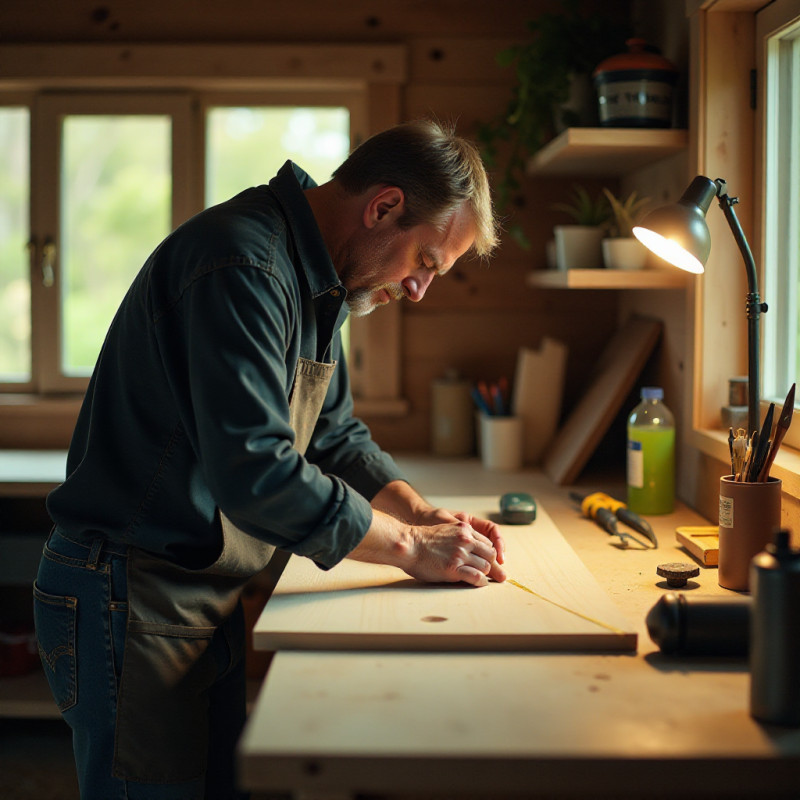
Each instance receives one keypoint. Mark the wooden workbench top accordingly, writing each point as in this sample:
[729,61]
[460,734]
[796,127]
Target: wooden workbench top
[455,725]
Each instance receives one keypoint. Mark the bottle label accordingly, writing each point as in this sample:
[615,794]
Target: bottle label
[725,512]
[635,464]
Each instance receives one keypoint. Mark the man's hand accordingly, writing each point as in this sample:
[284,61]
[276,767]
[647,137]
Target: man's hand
[453,551]
[434,516]
[428,543]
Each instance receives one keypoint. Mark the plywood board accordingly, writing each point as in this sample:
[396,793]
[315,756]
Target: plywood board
[357,606]
[617,369]
[538,392]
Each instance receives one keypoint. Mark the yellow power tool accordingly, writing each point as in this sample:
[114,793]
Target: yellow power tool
[606,511]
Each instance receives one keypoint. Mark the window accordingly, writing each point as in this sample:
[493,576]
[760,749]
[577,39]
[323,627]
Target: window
[15,295]
[51,91]
[779,38]
[114,177]
[237,137]
[109,180]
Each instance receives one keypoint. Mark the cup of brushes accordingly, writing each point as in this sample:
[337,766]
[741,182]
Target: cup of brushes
[500,432]
[749,498]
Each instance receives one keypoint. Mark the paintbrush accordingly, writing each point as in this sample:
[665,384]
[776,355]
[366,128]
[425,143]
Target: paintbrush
[760,452]
[781,426]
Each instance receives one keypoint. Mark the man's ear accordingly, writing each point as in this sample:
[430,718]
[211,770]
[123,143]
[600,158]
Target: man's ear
[387,203]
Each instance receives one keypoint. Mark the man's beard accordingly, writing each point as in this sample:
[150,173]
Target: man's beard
[363,266]
[363,301]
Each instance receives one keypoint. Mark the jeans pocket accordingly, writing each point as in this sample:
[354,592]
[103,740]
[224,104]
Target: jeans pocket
[54,618]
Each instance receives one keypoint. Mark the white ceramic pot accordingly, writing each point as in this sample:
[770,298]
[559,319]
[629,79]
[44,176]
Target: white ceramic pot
[578,246]
[624,254]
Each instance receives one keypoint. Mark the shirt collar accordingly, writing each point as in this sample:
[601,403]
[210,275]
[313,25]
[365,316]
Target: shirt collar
[288,186]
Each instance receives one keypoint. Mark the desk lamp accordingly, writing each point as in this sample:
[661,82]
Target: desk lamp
[678,233]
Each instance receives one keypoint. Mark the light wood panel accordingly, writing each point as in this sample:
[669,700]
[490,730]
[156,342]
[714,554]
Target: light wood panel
[460,61]
[180,64]
[309,20]
[357,606]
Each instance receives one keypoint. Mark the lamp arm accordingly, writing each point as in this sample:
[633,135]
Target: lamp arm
[726,203]
[753,302]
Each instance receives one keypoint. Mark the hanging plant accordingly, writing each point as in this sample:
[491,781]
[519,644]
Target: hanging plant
[563,46]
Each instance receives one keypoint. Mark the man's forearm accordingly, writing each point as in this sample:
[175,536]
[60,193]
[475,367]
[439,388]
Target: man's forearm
[401,500]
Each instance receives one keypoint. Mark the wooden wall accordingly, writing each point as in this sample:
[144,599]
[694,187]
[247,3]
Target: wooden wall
[475,319]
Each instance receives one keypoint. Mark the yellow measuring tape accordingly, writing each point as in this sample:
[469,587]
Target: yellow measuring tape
[565,608]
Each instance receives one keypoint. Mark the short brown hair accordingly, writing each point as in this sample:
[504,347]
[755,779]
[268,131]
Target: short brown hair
[437,171]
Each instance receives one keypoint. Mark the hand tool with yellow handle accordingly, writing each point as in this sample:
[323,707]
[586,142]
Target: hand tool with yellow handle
[606,510]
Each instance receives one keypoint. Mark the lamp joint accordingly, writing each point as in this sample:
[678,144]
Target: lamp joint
[754,306]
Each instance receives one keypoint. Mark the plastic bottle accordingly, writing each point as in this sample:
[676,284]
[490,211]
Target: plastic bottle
[651,455]
[775,633]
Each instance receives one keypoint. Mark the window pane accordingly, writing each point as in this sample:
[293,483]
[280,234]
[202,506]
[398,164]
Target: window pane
[15,295]
[115,207]
[246,146]
[782,214]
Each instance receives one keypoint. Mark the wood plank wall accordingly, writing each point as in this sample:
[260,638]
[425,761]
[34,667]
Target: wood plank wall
[475,319]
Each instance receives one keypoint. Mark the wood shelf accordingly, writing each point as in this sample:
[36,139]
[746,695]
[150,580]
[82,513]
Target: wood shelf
[602,278]
[606,151]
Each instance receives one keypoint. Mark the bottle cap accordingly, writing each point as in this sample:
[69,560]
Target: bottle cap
[652,393]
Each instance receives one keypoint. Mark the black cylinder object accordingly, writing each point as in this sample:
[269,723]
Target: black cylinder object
[775,645]
[684,625]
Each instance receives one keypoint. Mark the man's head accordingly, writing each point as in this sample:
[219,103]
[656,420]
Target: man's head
[423,201]
[437,171]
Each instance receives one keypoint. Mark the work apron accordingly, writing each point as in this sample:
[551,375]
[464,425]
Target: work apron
[172,614]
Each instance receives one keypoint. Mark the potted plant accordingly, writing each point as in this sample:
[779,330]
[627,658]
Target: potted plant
[621,249]
[564,49]
[578,245]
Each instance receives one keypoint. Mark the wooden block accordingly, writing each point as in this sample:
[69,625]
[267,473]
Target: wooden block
[614,376]
[702,541]
[357,606]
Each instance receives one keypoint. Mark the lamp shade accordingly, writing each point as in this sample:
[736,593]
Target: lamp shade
[678,233]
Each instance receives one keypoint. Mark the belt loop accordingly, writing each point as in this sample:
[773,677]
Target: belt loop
[94,553]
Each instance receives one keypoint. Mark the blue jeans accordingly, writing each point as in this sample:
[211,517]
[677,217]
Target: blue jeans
[81,611]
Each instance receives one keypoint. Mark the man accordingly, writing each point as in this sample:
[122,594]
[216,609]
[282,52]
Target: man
[218,426]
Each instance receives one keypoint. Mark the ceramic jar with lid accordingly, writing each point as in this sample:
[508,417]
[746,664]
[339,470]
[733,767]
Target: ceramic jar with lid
[635,89]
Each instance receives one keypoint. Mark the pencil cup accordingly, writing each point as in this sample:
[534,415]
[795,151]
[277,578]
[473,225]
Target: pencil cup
[501,442]
[749,515]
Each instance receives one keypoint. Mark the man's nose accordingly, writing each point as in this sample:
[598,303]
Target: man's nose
[415,286]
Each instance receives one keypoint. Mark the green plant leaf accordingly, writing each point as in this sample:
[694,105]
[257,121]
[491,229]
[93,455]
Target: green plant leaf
[626,212]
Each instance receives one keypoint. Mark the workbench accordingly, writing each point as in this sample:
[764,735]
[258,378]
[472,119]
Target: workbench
[640,724]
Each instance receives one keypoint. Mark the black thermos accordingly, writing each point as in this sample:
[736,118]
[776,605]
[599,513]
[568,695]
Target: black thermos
[775,633]
[711,626]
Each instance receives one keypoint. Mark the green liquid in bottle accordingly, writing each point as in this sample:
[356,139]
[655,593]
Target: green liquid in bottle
[651,469]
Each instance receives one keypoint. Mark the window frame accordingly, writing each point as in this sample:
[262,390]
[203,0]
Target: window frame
[771,22]
[49,110]
[24,99]
[721,111]
[370,75]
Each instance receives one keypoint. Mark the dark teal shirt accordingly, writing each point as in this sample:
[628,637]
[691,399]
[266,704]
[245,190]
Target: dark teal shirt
[187,411]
